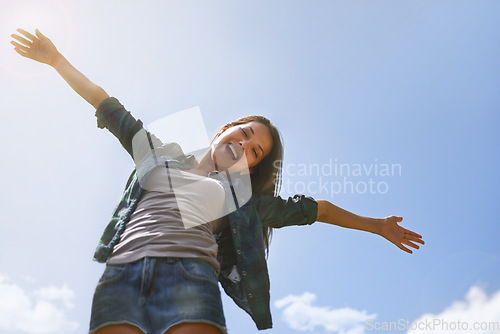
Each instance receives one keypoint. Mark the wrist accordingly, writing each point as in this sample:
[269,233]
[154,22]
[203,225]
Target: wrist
[57,60]
[378,226]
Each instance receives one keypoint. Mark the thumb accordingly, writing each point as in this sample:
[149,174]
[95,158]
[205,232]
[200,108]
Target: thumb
[40,35]
[395,218]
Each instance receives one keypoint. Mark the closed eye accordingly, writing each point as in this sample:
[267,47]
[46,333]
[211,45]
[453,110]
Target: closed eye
[246,135]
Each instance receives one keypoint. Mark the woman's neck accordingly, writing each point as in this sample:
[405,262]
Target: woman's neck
[205,166]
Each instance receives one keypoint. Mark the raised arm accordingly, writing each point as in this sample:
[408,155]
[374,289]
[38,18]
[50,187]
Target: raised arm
[386,227]
[41,49]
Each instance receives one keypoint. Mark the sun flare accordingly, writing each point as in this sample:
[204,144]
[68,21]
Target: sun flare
[49,16]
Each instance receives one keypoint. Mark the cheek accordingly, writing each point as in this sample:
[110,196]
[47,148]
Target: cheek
[252,160]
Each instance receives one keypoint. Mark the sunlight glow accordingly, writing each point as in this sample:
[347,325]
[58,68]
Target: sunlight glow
[50,17]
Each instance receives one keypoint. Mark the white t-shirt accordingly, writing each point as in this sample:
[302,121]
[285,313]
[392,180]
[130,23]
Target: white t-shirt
[176,216]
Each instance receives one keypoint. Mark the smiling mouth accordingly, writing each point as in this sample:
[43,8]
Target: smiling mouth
[232,151]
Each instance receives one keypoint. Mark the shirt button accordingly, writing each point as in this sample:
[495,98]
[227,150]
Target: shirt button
[238,251]
[250,296]
[234,230]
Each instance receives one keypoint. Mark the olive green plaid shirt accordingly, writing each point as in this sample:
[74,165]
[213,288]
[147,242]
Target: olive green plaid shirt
[241,250]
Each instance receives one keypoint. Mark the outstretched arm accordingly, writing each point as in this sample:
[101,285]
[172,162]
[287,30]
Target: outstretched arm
[386,227]
[41,49]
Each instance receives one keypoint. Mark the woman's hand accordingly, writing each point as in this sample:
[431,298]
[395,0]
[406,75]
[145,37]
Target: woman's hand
[38,47]
[399,235]
[41,49]
[387,227]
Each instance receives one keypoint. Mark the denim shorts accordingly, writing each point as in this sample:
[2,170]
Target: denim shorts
[155,294]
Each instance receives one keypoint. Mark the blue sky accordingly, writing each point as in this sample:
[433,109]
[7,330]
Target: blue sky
[406,83]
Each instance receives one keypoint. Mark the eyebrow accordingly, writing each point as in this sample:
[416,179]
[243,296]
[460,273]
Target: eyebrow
[259,145]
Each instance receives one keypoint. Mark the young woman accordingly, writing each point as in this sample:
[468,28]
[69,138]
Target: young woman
[184,224]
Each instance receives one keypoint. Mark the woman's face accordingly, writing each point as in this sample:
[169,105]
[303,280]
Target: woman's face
[242,146]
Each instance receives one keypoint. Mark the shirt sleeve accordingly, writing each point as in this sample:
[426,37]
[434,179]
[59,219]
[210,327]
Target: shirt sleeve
[111,114]
[277,212]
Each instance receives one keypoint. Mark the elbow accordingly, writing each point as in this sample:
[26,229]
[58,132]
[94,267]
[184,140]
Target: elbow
[322,209]
[98,96]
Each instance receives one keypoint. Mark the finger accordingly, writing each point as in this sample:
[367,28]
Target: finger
[411,244]
[412,233]
[413,238]
[24,54]
[40,35]
[27,34]
[19,46]
[405,249]
[20,39]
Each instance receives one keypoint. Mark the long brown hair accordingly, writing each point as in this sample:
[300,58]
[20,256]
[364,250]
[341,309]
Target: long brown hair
[266,175]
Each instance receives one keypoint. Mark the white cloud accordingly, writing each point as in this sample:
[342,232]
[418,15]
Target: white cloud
[53,293]
[45,312]
[478,314]
[299,314]
[28,279]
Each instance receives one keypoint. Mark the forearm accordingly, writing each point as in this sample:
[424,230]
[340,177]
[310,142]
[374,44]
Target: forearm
[332,214]
[91,92]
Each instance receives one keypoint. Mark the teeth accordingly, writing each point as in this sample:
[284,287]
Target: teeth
[233,151]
